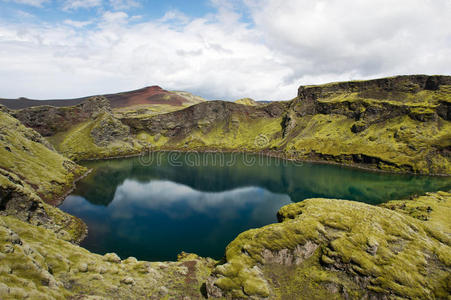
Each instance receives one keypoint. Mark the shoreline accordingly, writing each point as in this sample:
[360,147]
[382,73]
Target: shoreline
[273,154]
[60,199]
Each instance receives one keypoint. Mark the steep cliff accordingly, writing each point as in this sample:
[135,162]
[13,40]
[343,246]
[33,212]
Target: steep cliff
[33,177]
[399,124]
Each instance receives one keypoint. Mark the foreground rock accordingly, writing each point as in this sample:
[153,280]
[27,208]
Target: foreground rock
[340,249]
[37,264]
[322,249]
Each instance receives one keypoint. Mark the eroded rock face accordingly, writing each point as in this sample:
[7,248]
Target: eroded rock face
[377,100]
[205,115]
[109,129]
[49,120]
[289,257]
[334,248]
[377,88]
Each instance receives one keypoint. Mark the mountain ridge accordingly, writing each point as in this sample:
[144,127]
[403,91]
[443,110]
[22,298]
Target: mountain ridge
[144,96]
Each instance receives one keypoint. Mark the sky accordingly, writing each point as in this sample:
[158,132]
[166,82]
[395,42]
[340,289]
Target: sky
[229,49]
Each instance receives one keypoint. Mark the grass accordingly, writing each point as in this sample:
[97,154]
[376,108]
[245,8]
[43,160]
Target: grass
[78,142]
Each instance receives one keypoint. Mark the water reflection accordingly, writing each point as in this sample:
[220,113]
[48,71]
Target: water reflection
[155,211]
[159,219]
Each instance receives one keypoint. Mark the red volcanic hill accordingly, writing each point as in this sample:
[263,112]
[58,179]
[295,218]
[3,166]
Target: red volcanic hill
[145,96]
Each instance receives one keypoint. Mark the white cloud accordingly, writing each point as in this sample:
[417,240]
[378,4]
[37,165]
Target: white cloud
[37,3]
[112,18]
[77,24]
[329,39]
[124,4]
[293,42]
[76,4]
[163,196]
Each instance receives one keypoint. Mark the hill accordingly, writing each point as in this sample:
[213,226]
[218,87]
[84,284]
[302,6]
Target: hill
[151,95]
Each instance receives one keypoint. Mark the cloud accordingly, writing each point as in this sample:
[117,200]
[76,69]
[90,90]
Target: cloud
[76,4]
[329,39]
[77,24]
[114,18]
[260,49]
[166,196]
[36,3]
[124,4]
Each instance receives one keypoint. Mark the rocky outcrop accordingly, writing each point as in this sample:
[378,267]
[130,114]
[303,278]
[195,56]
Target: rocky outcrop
[346,122]
[108,130]
[33,177]
[37,264]
[28,156]
[418,96]
[383,88]
[49,120]
[334,248]
[101,137]
[206,116]
[22,203]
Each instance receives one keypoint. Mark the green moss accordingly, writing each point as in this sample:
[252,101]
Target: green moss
[24,153]
[42,266]
[78,143]
[239,134]
[247,101]
[397,144]
[322,245]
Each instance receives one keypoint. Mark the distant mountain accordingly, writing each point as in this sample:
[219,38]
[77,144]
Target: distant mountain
[145,96]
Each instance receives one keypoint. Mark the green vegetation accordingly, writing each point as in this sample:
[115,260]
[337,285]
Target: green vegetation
[239,134]
[32,175]
[399,144]
[322,246]
[36,264]
[24,153]
[102,137]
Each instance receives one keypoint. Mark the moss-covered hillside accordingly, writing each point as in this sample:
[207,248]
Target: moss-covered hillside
[25,154]
[34,177]
[399,124]
[336,249]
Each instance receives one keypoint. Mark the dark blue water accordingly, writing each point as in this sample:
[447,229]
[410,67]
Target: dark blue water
[157,207]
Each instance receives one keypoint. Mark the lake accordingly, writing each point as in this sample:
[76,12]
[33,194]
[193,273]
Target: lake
[156,206]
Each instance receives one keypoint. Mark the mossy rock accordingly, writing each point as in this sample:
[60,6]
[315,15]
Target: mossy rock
[37,264]
[339,249]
